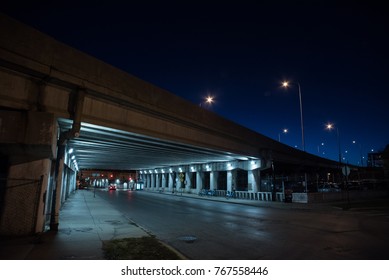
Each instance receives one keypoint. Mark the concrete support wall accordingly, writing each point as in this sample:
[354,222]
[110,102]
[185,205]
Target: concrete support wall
[29,141]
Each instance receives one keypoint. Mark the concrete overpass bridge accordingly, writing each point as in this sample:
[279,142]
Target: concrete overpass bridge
[62,111]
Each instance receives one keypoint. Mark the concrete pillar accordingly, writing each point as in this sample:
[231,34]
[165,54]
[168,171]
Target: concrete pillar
[188,181]
[171,183]
[152,183]
[231,180]
[148,181]
[199,180]
[213,180]
[54,222]
[158,181]
[253,180]
[164,181]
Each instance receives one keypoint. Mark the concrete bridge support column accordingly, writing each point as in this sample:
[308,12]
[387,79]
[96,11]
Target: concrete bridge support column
[146,181]
[164,181]
[213,180]
[253,180]
[231,180]
[158,181]
[152,183]
[171,181]
[199,180]
[28,140]
[188,182]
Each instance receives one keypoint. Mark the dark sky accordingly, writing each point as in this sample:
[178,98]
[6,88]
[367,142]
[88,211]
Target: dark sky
[240,53]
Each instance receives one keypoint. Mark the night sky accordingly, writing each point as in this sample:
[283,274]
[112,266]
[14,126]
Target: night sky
[240,53]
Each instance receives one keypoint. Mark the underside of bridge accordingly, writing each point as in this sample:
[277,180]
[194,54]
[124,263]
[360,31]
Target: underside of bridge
[99,147]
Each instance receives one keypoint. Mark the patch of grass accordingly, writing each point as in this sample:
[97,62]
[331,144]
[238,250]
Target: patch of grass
[143,248]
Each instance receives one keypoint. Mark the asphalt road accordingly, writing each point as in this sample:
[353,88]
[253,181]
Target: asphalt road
[202,229]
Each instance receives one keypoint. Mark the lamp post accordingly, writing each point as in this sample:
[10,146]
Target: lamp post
[330,127]
[318,148]
[360,153]
[345,169]
[285,130]
[286,84]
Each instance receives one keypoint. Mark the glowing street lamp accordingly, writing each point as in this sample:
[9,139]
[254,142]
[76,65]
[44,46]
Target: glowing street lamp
[330,126]
[209,100]
[286,84]
[285,130]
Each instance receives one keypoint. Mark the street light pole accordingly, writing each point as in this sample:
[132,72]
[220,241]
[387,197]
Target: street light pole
[301,117]
[339,151]
[285,85]
[285,130]
[330,126]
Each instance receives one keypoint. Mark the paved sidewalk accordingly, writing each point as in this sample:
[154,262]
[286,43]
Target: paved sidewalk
[85,222]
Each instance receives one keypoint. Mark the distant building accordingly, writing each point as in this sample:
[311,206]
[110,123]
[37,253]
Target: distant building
[375,159]
[103,178]
[385,159]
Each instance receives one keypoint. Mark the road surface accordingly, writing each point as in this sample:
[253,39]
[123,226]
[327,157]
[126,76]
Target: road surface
[202,229]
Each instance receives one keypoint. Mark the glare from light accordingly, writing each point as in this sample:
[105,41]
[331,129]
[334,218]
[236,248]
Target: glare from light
[329,126]
[209,99]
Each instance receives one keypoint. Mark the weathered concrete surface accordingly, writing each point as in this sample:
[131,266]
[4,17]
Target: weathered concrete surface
[115,98]
[26,136]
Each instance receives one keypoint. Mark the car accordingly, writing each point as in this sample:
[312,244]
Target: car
[112,188]
[329,187]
